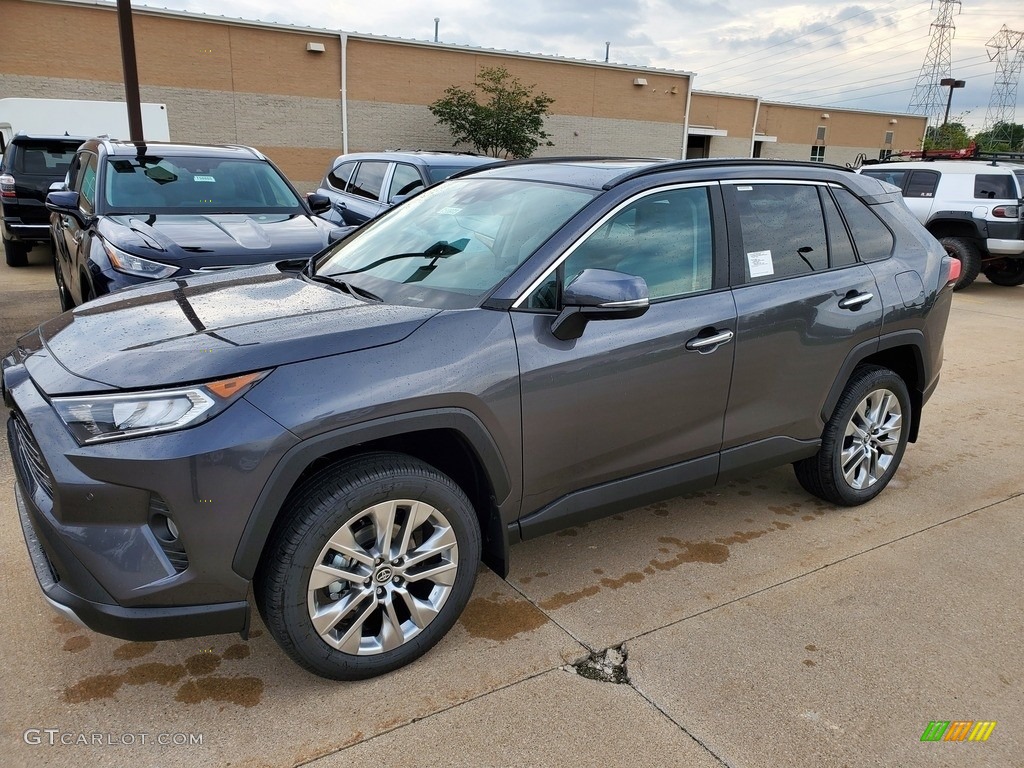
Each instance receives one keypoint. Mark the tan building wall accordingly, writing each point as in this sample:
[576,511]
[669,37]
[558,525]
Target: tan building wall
[252,83]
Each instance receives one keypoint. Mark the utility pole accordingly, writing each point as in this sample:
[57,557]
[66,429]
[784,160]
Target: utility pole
[131,70]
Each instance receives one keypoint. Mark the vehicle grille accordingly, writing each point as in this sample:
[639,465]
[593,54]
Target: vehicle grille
[30,455]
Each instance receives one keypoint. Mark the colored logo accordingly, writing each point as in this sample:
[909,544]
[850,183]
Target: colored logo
[958,730]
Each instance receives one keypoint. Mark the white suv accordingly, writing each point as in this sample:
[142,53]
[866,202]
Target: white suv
[973,207]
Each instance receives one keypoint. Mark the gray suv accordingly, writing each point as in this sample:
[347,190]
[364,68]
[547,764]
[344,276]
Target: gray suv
[517,349]
[362,185]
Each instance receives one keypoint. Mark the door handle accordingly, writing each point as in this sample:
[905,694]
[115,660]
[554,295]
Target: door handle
[704,344]
[855,300]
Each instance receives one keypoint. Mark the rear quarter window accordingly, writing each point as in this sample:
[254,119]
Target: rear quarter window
[991,186]
[871,237]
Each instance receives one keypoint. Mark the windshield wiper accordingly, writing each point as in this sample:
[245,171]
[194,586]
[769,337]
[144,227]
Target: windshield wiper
[352,290]
[440,250]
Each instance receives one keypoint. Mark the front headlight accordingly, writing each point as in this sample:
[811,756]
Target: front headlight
[95,418]
[136,265]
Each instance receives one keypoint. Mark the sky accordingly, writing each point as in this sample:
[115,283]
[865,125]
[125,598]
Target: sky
[859,55]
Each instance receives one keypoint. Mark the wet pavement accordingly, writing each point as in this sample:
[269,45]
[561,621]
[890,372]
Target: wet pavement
[751,625]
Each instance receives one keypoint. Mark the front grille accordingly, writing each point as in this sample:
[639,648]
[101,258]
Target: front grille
[30,455]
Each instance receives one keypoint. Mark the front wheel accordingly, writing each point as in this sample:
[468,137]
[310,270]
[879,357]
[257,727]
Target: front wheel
[374,565]
[1006,272]
[863,442]
[967,252]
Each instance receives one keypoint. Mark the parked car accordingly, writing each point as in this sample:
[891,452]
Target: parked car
[362,185]
[136,212]
[973,207]
[526,347]
[29,166]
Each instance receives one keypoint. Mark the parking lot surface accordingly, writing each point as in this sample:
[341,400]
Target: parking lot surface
[751,624]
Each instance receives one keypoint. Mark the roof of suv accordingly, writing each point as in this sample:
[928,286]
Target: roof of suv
[422,157]
[949,166]
[607,172]
[132,148]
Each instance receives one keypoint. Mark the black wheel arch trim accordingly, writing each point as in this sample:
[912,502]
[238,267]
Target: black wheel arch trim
[912,338]
[300,456]
[979,226]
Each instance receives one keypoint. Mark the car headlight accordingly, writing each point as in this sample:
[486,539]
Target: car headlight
[95,418]
[136,265]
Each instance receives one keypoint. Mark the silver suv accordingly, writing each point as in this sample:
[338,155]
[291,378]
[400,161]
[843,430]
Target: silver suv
[973,207]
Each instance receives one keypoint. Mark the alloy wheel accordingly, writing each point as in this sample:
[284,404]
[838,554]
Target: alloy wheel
[871,439]
[383,577]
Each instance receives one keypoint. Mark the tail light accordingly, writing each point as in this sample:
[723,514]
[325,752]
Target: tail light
[7,186]
[1006,211]
[955,269]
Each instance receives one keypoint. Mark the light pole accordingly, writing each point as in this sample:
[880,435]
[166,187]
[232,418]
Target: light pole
[952,84]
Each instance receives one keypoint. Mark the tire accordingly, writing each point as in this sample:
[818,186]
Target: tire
[16,253]
[63,296]
[1006,272]
[970,259]
[869,464]
[328,551]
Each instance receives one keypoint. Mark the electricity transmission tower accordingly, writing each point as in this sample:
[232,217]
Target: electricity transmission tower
[929,98]
[1008,52]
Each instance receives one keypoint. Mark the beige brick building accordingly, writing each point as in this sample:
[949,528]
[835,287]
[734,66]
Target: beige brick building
[305,95]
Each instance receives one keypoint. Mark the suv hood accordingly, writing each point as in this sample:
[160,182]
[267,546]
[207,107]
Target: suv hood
[217,239]
[206,327]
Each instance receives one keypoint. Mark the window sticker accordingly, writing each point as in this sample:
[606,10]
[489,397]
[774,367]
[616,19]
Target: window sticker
[744,189]
[449,211]
[204,178]
[760,263]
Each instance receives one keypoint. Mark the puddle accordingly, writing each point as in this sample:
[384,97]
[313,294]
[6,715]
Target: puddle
[496,619]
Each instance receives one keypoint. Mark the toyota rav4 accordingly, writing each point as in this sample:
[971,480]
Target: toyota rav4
[517,349]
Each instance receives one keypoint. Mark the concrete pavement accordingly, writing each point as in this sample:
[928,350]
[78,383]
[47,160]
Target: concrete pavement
[760,627]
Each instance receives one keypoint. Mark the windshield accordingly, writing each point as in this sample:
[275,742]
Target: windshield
[452,244]
[151,184]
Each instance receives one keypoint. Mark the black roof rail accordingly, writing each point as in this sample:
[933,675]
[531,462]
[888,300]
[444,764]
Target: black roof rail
[683,165]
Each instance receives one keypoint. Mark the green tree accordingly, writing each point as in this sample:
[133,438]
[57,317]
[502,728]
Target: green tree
[501,117]
[949,136]
[1003,137]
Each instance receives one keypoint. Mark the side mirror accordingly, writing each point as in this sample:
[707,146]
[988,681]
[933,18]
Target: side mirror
[58,186]
[66,203]
[599,294]
[318,203]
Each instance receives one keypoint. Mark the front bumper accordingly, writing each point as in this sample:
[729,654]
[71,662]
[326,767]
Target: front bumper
[127,623]
[91,516]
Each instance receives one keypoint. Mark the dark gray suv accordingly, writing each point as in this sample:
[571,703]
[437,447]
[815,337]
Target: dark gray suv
[517,349]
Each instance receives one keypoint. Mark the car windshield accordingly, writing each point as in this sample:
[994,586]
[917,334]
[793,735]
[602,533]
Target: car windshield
[152,184]
[452,244]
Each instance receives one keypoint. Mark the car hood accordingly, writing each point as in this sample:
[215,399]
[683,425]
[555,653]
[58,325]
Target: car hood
[206,327]
[217,239]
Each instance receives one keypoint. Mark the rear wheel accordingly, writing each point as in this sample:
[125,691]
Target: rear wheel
[863,442]
[16,253]
[1006,272]
[967,252]
[375,563]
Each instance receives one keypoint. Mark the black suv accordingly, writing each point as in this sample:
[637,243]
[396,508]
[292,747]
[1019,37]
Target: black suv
[362,185]
[135,212]
[30,165]
[517,349]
